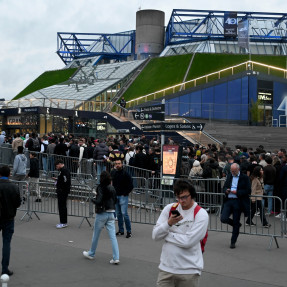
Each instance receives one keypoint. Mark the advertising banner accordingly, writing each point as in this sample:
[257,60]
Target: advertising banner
[243,34]
[170,155]
[230,24]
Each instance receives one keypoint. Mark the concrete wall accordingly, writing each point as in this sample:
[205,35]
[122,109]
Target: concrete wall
[149,33]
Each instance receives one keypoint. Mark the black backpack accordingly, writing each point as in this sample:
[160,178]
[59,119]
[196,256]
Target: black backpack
[85,153]
[36,144]
[132,160]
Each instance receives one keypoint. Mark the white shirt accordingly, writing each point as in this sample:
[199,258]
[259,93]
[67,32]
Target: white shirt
[181,251]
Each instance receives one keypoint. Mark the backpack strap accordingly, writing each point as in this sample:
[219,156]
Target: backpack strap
[196,209]
[174,207]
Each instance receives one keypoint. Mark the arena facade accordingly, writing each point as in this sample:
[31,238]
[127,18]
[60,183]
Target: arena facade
[100,69]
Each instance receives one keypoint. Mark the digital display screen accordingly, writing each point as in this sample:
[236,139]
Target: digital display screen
[170,158]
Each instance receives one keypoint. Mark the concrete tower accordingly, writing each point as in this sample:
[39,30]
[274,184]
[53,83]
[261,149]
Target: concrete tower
[149,33]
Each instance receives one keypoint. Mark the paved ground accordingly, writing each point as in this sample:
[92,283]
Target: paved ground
[43,256]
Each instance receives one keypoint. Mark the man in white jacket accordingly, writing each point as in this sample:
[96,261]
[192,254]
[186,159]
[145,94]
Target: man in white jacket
[181,260]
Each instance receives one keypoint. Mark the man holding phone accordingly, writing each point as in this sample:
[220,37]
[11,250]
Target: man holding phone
[181,260]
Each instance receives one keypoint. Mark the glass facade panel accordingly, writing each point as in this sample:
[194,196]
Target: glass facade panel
[220,101]
[195,104]
[173,107]
[234,100]
[184,109]
[207,102]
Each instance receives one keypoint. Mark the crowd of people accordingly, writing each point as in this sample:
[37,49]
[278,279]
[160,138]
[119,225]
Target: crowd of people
[250,174]
[145,153]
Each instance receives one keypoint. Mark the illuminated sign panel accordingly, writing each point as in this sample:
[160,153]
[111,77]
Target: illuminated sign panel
[170,159]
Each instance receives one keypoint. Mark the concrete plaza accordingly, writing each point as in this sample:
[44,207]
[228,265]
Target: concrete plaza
[43,256]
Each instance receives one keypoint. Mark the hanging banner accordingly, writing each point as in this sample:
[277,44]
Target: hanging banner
[243,34]
[230,24]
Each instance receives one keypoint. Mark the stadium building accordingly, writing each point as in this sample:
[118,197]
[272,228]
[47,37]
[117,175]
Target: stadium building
[206,65]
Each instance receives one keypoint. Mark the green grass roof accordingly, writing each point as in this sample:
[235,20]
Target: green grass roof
[165,72]
[45,80]
[160,73]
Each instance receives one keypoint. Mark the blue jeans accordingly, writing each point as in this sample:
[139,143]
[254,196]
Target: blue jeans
[7,228]
[51,163]
[44,163]
[106,219]
[122,213]
[268,191]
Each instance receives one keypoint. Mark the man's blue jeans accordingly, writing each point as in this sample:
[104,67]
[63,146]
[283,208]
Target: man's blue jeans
[122,213]
[269,191]
[106,219]
[7,228]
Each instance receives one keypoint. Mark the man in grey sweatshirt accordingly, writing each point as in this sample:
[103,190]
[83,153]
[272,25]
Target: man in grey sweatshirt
[19,166]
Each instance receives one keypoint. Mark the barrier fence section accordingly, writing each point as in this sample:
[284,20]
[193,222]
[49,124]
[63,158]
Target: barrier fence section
[78,203]
[147,204]
[283,215]
[150,194]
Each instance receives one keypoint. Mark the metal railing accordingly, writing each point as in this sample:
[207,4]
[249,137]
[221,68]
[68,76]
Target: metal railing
[147,200]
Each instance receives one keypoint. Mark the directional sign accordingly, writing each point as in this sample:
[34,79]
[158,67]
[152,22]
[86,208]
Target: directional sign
[173,127]
[123,131]
[148,116]
[156,108]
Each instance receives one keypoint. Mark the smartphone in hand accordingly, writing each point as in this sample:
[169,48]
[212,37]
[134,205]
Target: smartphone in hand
[175,212]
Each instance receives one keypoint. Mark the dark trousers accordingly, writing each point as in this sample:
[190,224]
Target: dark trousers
[7,228]
[62,205]
[257,205]
[232,206]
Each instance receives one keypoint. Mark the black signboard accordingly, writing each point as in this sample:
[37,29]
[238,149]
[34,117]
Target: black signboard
[265,92]
[173,127]
[156,108]
[143,116]
[230,24]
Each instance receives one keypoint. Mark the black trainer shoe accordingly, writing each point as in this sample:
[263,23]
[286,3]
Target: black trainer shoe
[129,235]
[120,233]
[9,272]
[232,245]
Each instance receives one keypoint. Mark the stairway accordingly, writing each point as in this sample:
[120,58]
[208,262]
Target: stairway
[121,92]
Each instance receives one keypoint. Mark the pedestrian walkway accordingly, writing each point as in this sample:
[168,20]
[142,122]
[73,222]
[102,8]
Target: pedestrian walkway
[43,256]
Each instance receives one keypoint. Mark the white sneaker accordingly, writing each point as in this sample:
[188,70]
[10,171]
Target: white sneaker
[115,261]
[280,215]
[86,254]
[61,225]
[257,213]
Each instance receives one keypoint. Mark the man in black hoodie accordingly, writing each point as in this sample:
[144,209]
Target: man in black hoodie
[63,186]
[10,200]
[123,185]
[34,175]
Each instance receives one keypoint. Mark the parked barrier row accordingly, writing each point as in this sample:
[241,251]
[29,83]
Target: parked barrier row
[146,204]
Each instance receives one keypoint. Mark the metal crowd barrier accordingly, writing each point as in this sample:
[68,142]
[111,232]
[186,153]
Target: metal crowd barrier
[78,204]
[146,206]
[283,217]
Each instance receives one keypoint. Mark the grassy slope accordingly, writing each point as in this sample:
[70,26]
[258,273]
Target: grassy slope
[164,72]
[159,74]
[207,63]
[45,80]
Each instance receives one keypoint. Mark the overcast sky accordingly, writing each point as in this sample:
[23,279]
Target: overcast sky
[28,28]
